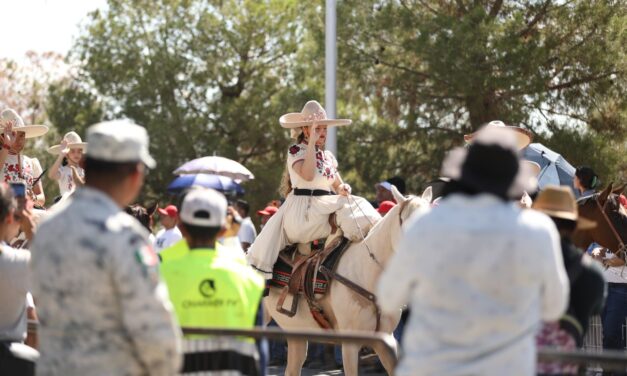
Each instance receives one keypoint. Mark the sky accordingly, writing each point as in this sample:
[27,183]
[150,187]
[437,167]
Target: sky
[41,25]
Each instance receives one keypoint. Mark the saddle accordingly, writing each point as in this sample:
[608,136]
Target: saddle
[307,275]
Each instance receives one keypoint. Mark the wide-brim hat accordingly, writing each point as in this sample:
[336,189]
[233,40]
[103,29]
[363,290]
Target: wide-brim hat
[559,202]
[533,166]
[312,112]
[492,165]
[9,116]
[523,136]
[74,142]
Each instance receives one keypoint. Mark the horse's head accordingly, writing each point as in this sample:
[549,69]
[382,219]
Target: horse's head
[611,217]
[408,206]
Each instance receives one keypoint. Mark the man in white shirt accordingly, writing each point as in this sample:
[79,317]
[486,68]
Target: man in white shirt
[170,233]
[478,272]
[247,232]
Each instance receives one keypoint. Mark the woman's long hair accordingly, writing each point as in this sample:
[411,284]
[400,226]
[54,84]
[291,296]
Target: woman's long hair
[286,184]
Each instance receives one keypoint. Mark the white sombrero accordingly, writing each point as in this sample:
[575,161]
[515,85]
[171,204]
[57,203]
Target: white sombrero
[523,136]
[312,112]
[74,141]
[9,116]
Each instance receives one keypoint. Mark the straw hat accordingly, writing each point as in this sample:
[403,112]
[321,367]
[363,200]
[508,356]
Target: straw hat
[491,165]
[74,141]
[312,112]
[523,136]
[9,116]
[559,202]
[533,166]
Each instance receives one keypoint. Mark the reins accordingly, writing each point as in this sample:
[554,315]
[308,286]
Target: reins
[361,233]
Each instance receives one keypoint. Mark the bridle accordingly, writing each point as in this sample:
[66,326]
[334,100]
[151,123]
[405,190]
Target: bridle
[621,252]
[402,206]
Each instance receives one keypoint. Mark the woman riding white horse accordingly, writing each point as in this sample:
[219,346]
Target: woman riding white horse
[313,190]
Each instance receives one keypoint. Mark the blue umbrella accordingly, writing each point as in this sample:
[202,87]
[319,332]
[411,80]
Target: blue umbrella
[218,182]
[554,169]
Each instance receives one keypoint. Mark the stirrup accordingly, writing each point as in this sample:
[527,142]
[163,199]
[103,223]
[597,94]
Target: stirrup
[279,305]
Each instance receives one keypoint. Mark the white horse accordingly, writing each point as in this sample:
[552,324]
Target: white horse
[345,309]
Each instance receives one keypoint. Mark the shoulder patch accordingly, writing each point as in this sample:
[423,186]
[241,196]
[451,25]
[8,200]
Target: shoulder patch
[145,255]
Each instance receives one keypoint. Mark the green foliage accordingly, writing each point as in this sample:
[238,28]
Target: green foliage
[204,77]
[212,77]
[420,74]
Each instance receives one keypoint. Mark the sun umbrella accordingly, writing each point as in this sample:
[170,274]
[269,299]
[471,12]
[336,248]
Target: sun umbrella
[554,169]
[216,165]
[219,183]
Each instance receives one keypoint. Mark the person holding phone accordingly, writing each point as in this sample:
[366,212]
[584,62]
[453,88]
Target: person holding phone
[17,341]
[17,167]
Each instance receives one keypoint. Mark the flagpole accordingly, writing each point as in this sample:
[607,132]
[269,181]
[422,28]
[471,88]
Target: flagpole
[329,71]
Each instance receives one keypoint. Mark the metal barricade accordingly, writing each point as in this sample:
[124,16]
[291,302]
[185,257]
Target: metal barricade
[386,341]
[593,357]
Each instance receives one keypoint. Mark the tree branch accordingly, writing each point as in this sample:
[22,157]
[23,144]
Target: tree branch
[496,8]
[577,82]
[543,11]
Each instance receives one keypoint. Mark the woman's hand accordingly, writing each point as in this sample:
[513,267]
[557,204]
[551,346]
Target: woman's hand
[8,135]
[27,222]
[613,262]
[64,150]
[314,134]
[344,189]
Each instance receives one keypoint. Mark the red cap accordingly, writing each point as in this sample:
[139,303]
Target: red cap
[170,211]
[385,207]
[269,210]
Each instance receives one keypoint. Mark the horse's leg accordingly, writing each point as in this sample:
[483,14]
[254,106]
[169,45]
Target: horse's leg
[350,359]
[296,354]
[388,360]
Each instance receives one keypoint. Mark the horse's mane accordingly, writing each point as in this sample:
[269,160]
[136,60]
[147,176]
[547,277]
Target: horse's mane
[394,212]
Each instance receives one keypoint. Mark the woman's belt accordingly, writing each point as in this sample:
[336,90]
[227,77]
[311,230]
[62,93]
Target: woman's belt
[311,192]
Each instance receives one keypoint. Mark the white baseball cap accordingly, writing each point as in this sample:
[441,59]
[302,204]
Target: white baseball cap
[119,141]
[204,208]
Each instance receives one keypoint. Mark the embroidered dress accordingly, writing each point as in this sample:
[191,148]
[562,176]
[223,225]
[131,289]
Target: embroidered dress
[66,181]
[302,219]
[29,171]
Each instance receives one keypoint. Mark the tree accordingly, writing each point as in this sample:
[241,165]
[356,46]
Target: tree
[423,73]
[204,77]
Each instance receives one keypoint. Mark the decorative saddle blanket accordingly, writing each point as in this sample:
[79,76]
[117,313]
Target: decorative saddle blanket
[282,271]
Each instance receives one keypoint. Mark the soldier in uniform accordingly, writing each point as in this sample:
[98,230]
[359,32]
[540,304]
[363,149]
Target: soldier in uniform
[103,309]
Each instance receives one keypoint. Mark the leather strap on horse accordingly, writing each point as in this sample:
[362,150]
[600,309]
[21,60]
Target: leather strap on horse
[355,287]
[333,223]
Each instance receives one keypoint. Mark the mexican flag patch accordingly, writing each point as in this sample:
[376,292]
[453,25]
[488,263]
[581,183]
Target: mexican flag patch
[146,256]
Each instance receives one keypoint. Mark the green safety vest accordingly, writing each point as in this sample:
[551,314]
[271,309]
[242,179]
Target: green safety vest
[211,289]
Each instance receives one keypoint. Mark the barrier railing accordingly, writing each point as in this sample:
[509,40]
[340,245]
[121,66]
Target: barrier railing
[608,360]
[324,336]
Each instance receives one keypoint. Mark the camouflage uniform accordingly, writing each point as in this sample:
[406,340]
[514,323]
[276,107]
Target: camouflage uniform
[101,305]
[102,308]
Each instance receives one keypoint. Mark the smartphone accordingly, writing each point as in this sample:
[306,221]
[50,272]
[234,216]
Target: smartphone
[19,191]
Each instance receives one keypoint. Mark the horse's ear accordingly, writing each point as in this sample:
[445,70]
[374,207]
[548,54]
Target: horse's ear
[397,195]
[152,208]
[605,193]
[619,189]
[427,195]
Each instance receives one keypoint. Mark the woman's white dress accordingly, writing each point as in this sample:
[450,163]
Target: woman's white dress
[302,219]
